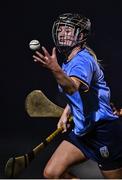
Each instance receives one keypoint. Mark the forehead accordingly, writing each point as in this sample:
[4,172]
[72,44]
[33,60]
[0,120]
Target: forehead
[62,26]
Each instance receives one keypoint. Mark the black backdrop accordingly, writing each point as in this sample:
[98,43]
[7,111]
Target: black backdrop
[19,75]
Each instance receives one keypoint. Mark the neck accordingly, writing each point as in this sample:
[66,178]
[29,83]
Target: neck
[74,52]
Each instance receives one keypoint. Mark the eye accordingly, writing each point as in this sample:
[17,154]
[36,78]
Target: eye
[67,30]
[59,30]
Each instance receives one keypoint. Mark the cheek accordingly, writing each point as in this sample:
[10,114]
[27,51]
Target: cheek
[58,36]
[71,34]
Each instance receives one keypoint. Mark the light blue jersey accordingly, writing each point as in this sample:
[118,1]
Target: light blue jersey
[92,102]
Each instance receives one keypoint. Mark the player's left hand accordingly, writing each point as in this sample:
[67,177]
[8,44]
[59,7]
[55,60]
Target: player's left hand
[118,112]
[115,110]
[47,60]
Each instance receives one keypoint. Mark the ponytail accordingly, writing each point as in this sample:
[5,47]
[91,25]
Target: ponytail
[91,52]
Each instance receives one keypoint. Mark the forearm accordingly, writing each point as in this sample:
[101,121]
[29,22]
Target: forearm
[64,81]
[67,110]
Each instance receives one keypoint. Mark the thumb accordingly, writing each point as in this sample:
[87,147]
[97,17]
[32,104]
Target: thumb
[54,51]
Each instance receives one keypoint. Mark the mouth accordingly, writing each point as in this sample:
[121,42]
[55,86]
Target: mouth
[65,40]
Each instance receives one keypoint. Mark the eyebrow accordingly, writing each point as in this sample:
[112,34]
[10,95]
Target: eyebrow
[66,27]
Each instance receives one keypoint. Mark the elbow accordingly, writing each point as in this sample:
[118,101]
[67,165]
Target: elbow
[71,90]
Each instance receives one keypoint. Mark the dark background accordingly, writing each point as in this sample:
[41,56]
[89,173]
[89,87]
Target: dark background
[22,21]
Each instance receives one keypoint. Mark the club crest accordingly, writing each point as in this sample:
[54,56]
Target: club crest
[104,152]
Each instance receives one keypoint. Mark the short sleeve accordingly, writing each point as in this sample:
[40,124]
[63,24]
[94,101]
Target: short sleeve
[83,70]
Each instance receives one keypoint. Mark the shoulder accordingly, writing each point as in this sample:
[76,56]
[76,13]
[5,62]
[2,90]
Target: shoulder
[86,56]
[83,58]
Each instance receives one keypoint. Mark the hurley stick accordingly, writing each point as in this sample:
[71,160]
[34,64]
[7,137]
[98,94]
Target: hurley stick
[38,105]
[15,165]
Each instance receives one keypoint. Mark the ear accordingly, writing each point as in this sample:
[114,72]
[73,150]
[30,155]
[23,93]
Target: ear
[81,36]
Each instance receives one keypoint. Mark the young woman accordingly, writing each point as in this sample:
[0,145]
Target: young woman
[97,132]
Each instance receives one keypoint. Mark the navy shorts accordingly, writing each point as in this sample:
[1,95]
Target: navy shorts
[102,144]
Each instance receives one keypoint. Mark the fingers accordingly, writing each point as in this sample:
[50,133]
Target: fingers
[45,59]
[36,58]
[40,57]
[120,113]
[45,52]
[59,125]
[64,125]
[46,55]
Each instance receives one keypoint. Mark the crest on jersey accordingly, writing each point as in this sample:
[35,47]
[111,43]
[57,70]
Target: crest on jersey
[104,152]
